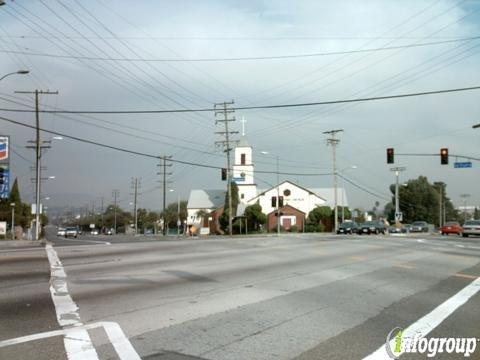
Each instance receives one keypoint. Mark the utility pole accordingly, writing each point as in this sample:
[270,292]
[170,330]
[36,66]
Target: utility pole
[135,186]
[222,108]
[464,197]
[439,185]
[103,225]
[164,182]
[333,142]
[397,203]
[38,155]
[115,195]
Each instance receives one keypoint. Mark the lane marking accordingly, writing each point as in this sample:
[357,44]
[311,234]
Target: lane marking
[466,276]
[120,342]
[405,266]
[430,321]
[460,246]
[79,346]
[357,258]
[88,241]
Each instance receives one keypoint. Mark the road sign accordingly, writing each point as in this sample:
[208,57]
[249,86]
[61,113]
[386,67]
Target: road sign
[462,165]
[399,216]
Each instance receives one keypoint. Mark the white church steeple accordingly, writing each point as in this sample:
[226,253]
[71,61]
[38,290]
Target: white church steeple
[243,169]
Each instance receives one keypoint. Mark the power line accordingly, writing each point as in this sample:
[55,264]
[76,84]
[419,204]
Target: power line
[247,58]
[279,106]
[138,153]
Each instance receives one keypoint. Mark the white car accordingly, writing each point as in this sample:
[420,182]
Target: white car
[60,232]
[471,227]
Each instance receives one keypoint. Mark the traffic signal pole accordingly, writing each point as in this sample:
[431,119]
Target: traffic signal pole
[397,171]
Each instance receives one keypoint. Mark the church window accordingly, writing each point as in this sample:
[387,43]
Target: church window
[274,201]
[242,159]
[287,192]
[242,196]
[280,201]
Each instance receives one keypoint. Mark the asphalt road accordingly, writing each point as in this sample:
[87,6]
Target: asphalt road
[293,297]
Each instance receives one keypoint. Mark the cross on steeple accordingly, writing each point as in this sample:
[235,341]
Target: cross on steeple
[243,121]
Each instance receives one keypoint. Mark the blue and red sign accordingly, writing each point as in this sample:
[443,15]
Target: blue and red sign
[4,148]
[4,181]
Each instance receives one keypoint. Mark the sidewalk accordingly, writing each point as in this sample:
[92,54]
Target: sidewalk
[19,244]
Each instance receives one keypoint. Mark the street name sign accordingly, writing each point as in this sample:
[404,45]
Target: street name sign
[462,165]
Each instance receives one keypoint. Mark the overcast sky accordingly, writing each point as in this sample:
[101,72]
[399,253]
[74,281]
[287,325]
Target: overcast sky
[151,55]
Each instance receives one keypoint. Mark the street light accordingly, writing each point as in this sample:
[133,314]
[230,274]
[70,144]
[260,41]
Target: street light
[278,192]
[178,214]
[353,167]
[19,72]
[13,220]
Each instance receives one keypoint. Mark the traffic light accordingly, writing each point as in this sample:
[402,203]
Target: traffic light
[390,156]
[274,201]
[2,175]
[444,156]
[224,174]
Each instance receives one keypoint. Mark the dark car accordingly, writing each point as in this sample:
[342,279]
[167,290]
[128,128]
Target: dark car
[419,226]
[372,227]
[451,227]
[71,232]
[348,227]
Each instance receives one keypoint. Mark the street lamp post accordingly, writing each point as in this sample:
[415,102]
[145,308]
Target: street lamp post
[20,72]
[353,167]
[13,220]
[397,171]
[278,192]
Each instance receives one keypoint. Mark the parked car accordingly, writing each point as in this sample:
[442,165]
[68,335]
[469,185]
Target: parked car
[372,227]
[451,227]
[419,226]
[61,231]
[108,231]
[471,227]
[348,227]
[71,232]
[94,232]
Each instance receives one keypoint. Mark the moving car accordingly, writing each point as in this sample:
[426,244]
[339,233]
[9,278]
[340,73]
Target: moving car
[372,227]
[419,226]
[94,232]
[451,227]
[348,227]
[60,231]
[397,230]
[71,232]
[471,227]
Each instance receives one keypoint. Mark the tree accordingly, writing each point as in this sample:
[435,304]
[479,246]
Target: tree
[319,219]
[255,216]
[22,210]
[223,220]
[319,213]
[420,200]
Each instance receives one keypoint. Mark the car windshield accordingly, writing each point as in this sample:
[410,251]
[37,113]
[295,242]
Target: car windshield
[419,223]
[452,223]
[473,222]
[71,229]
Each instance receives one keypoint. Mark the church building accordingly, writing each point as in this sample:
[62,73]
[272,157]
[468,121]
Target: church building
[294,201]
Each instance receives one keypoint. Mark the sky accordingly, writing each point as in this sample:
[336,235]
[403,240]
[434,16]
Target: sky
[107,55]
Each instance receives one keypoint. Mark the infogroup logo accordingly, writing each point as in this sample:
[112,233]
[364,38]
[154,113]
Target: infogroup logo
[397,343]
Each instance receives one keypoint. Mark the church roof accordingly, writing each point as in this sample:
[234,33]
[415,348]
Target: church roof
[206,199]
[243,142]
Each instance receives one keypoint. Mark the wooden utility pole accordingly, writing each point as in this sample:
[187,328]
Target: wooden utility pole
[38,154]
[164,182]
[333,142]
[222,108]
